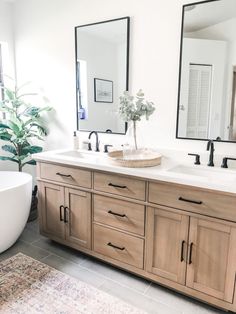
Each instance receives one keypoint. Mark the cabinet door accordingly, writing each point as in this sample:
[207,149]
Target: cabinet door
[212,258]
[78,217]
[167,236]
[51,213]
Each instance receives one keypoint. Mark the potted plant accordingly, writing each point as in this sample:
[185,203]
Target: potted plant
[20,125]
[132,110]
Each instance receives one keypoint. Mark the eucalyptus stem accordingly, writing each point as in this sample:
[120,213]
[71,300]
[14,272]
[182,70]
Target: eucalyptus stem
[135,134]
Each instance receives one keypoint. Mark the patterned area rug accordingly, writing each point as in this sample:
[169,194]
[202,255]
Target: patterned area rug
[28,286]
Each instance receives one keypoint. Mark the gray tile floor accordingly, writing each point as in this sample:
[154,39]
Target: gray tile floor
[137,291]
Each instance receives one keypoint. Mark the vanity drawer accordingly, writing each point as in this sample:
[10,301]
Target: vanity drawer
[117,245]
[66,175]
[193,199]
[119,214]
[119,185]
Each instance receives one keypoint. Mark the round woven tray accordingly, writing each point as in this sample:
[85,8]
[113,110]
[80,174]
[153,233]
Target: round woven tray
[139,159]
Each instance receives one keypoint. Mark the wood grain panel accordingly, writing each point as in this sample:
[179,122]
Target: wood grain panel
[119,185]
[119,214]
[78,226]
[51,198]
[66,175]
[167,238]
[212,267]
[183,197]
[129,249]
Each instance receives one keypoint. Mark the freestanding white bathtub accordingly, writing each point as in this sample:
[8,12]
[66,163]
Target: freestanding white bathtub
[15,201]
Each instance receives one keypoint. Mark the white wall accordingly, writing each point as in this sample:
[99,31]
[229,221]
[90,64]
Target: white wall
[7,43]
[44,32]
[7,37]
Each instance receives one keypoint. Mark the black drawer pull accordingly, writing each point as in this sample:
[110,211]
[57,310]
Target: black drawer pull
[117,186]
[189,201]
[61,218]
[64,175]
[182,251]
[116,247]
[190,254]
[65,214]
[116,214]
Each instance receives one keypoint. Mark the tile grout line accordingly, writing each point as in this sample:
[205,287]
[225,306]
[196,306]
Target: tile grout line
[141,294]
[149,285]
[45,257]
[52,253]
[112,280]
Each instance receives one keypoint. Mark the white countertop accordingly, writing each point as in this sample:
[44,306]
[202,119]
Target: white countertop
[218,179]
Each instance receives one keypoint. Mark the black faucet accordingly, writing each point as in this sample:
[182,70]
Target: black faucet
[97,142]
[210,146]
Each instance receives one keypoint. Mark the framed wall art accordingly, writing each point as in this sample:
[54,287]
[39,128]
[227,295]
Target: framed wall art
[103,90]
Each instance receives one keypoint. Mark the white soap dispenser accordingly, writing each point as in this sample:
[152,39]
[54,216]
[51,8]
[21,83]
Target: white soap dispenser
[75,141]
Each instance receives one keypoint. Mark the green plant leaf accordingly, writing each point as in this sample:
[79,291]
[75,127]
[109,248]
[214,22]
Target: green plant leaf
[48,108]
[31,134]
[13,126]
[41,128]
[32,111]
[4,126]
[8,158]
[30,162]
[10,149]
[4,136]
[27,94]
[21,157]
[31,149]
[10,94]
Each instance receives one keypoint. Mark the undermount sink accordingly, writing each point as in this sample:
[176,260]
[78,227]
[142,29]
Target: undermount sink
[211,173]
[81,154]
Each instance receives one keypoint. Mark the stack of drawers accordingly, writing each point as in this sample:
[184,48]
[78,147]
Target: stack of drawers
[118,221]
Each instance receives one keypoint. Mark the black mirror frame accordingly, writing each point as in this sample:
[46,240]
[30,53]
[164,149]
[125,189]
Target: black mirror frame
[127,68]
[179,79]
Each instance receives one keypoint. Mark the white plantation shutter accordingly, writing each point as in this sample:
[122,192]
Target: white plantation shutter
[199,95]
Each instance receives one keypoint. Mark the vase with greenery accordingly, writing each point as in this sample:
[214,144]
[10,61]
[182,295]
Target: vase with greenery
[20,124]
[132,109]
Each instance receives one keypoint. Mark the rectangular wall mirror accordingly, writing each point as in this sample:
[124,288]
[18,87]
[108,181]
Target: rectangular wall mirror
[102,64]
[207,79]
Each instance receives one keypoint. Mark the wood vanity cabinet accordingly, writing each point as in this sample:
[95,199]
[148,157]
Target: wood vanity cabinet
[179,236]
[211,264]
[198,253]
[51,198]
[167,238]
[65,214]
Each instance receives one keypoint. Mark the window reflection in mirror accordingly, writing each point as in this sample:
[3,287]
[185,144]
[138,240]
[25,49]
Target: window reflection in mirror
[101,74]
[206,102]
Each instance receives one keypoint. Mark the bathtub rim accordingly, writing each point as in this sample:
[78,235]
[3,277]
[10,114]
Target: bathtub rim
[26,178]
